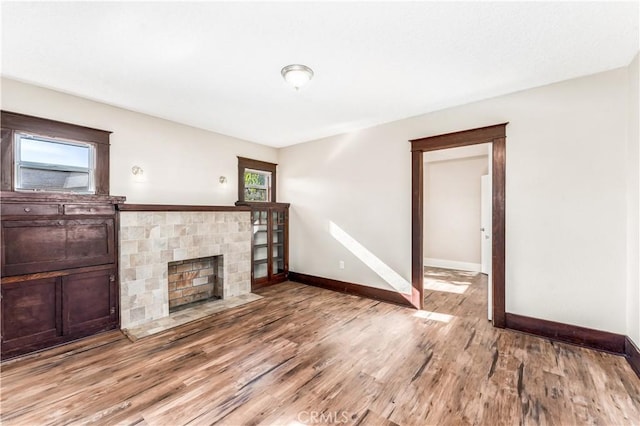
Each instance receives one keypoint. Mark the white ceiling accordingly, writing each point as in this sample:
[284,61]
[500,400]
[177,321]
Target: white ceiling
[216,65]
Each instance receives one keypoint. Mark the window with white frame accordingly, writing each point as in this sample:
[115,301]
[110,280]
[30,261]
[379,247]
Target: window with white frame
[48,164]
[257,185]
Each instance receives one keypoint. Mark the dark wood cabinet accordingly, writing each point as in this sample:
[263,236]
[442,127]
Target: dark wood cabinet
[30,313]
[270,243]
[59,269]
[89,302]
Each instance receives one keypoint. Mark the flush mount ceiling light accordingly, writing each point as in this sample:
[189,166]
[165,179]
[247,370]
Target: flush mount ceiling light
[297,75]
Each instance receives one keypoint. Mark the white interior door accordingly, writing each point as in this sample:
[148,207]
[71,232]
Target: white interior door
[485,236]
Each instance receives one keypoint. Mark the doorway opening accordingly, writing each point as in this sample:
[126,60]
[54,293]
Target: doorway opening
[496,137]
[457,230]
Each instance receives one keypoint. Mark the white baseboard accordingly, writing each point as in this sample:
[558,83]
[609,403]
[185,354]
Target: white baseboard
[452,264]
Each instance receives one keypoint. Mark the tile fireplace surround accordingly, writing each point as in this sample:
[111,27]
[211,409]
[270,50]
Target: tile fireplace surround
[152,236]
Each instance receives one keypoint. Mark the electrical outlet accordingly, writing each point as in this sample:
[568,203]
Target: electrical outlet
[341,264]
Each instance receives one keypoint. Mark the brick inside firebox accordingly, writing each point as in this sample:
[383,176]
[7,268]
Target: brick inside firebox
[193,280]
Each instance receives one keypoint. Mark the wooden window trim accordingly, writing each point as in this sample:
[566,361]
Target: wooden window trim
[14,122]
[496,136]
[248,163]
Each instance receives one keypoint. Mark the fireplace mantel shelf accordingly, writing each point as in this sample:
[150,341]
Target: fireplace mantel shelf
[179,208]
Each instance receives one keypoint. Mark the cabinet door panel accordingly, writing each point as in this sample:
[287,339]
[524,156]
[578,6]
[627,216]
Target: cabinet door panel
[88,240]
[32,246]
[25,243]
[89,302]
[29,313]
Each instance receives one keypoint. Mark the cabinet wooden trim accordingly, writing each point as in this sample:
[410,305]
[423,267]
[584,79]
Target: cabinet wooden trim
[58,198]
[52,274]
[261,204]
[6,160]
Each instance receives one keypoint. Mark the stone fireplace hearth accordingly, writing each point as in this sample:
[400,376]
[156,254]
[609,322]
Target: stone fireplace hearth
[150,240]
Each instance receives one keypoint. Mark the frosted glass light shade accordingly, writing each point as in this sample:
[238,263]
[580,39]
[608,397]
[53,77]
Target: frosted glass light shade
[297,75]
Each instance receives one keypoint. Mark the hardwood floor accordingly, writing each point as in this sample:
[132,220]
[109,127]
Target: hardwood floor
[304,355]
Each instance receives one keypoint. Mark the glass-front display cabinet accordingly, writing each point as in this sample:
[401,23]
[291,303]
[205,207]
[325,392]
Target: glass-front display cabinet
[270,251]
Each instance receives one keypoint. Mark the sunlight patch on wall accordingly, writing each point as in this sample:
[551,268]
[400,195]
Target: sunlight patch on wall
[390,276]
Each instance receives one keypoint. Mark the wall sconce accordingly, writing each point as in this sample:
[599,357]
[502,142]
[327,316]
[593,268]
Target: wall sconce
[222,180]
[138,174]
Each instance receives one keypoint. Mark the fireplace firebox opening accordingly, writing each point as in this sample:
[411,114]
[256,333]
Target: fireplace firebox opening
[194,281]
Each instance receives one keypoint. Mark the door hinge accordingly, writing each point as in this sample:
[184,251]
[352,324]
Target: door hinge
[113,310]
[112,278]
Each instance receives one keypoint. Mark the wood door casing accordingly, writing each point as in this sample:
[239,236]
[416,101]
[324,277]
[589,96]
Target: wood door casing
[496,135]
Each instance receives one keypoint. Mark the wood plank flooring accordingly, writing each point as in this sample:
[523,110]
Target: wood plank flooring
[304,355]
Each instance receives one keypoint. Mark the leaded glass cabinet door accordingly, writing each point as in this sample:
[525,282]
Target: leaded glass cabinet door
[270,252]
[278,235]
[260,222]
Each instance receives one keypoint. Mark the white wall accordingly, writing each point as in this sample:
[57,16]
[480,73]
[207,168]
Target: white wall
[569,189]
[357,182]
[633,208]
[452,211]
[566,197]
[182,164]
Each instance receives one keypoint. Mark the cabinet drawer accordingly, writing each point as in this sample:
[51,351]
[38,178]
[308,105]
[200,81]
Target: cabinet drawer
[89,209]
[29,209]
